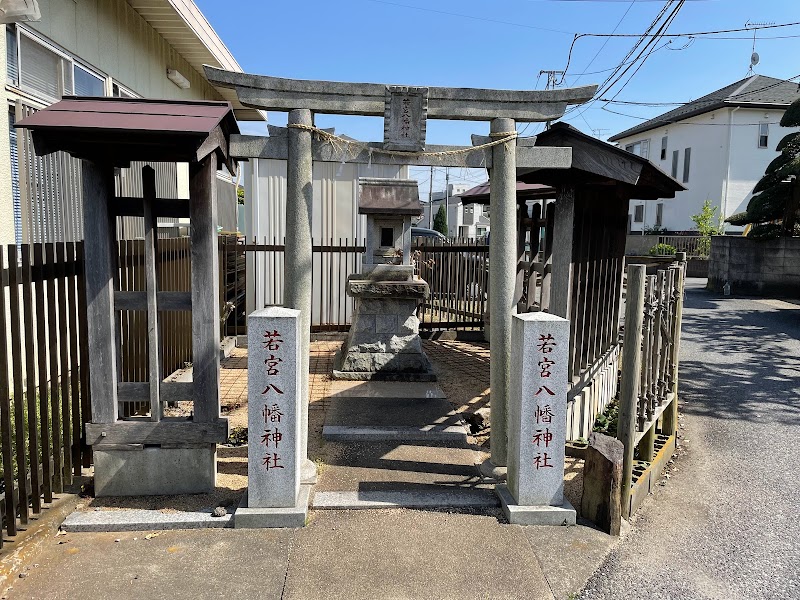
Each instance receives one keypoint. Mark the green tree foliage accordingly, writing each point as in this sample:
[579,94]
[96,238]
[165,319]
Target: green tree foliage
[707,225]
[772,203]
[240,195]
[662,250]
[440,220]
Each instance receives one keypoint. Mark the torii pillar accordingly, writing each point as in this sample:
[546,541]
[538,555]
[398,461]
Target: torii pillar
[405,110]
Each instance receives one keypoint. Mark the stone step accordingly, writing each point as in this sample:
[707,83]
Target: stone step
[452,433]
[399,419]
[456,498]
[385,389]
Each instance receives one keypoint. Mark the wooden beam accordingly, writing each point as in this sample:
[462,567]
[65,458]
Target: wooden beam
[334,97]
[563,232]
[205,288]
[151,286]
[125,206]
[163,432]
[139,391]
[166,301]
[100,252]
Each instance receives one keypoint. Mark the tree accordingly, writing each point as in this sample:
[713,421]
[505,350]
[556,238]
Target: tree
[706,227]
[440,220]
[773,210]
[239,195]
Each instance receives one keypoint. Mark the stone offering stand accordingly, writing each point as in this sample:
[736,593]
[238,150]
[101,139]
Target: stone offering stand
[384,342]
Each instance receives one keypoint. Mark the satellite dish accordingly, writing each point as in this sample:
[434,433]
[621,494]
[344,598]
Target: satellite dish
[754,58]
[18,11]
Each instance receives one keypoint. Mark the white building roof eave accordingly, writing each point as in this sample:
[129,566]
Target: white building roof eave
[186,29]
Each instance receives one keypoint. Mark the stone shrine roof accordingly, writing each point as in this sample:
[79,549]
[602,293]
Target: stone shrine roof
[388,196]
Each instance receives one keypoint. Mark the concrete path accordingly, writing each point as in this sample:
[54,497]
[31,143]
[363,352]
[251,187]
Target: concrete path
[726,526]
[361,554]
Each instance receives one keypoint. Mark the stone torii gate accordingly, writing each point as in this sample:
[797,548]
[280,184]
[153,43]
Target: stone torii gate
[405,111]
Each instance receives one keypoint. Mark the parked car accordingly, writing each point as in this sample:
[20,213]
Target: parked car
[424,235]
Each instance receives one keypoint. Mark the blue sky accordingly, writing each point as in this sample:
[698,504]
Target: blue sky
[500,44]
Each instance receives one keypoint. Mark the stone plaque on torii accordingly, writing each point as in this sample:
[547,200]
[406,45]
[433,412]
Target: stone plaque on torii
[405,110]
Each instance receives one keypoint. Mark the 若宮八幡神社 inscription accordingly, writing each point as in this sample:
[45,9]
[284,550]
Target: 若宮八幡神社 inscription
[537,409]
[273,412]
[405,118]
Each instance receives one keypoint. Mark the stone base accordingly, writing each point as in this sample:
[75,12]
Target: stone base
[308,473]
[261,518]
[489,470]
[387,272]
[534,515]
[155,471]
[356,376]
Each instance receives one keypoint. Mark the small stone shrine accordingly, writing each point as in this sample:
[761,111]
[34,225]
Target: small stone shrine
[384,343]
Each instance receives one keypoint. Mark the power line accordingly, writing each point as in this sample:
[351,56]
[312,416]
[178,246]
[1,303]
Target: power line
[622,18]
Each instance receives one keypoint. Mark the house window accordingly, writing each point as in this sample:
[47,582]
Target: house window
[664,148]
[88,84]
[687,155]
[119,91]
[45,71]
[640,148]
[638,213]
[763,135]
[659,214]
[674,164]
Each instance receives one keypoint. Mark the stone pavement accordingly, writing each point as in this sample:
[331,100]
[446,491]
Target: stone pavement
[726,525]
[463,553]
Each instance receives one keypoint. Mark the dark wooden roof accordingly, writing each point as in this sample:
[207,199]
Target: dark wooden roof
[480,194]
[120,130]
[388,196]
[595,162]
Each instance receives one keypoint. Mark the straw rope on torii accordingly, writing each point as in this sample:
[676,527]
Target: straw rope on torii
[338,142]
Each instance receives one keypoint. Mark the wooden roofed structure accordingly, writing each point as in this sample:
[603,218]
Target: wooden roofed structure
[147,453]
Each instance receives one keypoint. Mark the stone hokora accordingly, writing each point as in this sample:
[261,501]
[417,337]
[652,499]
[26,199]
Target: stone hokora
[384,338]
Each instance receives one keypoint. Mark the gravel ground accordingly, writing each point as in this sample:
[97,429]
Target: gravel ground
[726,525]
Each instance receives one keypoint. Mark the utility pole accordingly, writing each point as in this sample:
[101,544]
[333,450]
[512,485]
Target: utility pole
[552,82]
[430,202]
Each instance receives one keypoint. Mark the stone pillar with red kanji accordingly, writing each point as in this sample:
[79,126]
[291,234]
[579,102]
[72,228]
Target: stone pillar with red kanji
[537,414]
[273,412]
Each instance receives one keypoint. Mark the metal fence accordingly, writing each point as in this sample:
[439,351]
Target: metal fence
[692,245]
[44,396]
[648,408]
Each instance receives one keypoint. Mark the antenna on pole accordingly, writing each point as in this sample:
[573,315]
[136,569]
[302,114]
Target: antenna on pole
[754,57]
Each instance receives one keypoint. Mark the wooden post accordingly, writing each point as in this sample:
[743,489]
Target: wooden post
[205,286]
[669,424]
[631,367]
[100,256]
[563,231]
[151,285]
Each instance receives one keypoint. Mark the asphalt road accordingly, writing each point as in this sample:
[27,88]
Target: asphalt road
[725,525]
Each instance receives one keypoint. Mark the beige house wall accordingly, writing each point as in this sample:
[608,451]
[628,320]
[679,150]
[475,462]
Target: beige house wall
[111,37]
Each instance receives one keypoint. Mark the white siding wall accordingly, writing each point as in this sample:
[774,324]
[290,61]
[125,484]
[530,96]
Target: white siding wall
[748,161]
[726,162]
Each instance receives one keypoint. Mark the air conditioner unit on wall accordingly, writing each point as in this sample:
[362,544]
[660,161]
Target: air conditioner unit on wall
[19,11]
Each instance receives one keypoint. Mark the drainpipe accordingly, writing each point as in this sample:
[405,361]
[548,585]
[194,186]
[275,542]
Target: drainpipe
[723,204]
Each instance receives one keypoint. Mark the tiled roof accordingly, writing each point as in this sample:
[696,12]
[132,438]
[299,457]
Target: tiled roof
[757,90]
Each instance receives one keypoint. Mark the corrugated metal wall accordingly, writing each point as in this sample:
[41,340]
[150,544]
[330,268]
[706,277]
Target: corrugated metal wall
[335,219]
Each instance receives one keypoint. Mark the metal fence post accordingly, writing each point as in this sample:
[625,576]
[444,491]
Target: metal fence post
[669,424]
[631,367]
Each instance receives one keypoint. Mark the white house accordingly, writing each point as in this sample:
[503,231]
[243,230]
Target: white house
[126,48]
[469,221]
[718,146]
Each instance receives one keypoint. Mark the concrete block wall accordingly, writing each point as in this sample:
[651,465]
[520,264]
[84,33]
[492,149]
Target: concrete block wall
[760,268]
[639,245]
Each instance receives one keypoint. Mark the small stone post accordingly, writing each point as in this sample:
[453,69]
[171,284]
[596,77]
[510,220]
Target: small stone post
[502,278]
[299,257]
[275,497]
[537,422]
